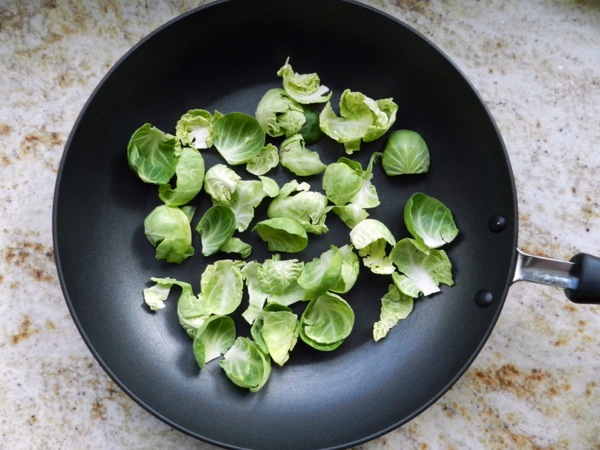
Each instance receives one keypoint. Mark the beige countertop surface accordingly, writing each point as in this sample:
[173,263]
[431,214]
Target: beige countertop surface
[536,64]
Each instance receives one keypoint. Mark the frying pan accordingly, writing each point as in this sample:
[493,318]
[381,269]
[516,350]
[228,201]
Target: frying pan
[223,57]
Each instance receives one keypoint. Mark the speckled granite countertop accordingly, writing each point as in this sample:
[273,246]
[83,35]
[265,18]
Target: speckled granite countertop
[536,384]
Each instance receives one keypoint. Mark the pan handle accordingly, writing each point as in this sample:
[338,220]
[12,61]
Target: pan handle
[579,277]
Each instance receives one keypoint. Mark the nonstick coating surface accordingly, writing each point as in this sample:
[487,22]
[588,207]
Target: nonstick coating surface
[224,57]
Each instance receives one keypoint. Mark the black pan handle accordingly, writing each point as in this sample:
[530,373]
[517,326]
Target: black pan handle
[586,269]
[579,277]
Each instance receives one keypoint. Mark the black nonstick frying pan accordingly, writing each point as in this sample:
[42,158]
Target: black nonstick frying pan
[224,56]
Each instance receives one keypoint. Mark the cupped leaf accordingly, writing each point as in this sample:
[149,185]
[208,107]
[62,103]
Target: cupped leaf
[322,273]
[246,365]
[267,159]
[213,339]
[298,159]
[276,275]
[304,88]
[341,183]
[371,238]
[156,295]
[366,197]
[269,186]
[274,282]
[189,174]
[282,234]
[277,329]
[257,297]
[405,153]
[168,229]
[278,114]
[420,273]
[429,221]
[225,187]
[384,116]
[221,286]
[296,201]
[349,271]
[238,137]
[361,119]
[353,123]
[191,311]
[278,278]
[246,197]
[375,258]
[395,306]
[326,322]
[369,231]
[216,227]
[195,128]
[153,154]
[220,183]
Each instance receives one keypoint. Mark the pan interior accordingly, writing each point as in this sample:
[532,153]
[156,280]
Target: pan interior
[224,57]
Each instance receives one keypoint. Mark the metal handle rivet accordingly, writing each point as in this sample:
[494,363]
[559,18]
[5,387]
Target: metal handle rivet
[484,298]
[497,223]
